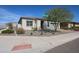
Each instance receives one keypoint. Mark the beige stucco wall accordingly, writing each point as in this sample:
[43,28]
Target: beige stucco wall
[51,27]
[19,26]
[70,25]
[38,24]
[24,26]
[77,25]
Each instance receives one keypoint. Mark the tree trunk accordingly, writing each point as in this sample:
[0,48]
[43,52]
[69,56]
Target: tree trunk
[41,32]
[55,27]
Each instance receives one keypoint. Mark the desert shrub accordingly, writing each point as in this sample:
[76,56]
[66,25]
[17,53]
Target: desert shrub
[10,25]
[34,29]
[66,28]
[74,28]
[20,31]
[48,30]
[71,28]
[7,31]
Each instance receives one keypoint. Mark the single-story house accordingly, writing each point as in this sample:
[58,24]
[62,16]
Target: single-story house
[28,23]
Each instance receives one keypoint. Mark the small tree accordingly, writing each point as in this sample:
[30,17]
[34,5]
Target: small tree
[58,15]
[10,26]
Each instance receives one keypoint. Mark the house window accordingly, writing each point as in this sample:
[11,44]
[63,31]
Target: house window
[29,23]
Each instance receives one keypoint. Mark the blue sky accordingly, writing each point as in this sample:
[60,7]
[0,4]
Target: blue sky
[12,13]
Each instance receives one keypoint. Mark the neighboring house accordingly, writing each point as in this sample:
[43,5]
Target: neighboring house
[14,25]
[69,24]
[3,27]
[28,23]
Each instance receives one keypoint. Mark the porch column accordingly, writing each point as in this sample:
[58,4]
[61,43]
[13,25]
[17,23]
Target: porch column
[73,24]
[58,26]
[38,24]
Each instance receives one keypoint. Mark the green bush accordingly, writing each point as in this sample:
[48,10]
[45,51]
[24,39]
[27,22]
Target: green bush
[7,31]
[20,31]
[72,28]
[75,28]
[66,28]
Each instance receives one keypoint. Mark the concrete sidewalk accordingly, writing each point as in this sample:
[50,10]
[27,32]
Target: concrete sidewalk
[39,44]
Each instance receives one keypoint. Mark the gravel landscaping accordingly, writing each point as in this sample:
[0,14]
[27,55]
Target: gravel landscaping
[38,33]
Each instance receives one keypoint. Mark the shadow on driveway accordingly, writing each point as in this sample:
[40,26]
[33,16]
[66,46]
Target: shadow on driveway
[70,47]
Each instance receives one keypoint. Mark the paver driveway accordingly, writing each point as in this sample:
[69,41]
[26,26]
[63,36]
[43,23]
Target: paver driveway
[39,44]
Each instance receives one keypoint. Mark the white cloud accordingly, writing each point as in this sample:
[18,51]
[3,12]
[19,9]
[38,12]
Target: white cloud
[6,16]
